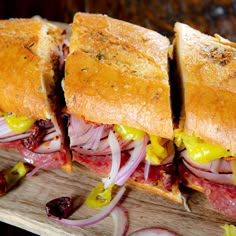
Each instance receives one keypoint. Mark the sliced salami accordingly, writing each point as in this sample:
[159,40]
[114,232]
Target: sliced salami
[221,196]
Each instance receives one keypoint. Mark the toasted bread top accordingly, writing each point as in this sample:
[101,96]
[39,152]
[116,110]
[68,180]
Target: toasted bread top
[208,69]
[29,48]
[117,73]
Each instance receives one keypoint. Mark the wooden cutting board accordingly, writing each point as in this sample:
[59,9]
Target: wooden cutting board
[24,206]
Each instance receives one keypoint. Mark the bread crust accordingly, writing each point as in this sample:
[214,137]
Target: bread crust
[174,195]
[26,68]
[208,70]
[117,73]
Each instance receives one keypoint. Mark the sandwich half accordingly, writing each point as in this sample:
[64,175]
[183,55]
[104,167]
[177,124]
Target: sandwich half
[207,129]
[31,58]
[117,96]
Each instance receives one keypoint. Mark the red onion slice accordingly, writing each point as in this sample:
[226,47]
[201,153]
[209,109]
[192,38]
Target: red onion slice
[86,152]
[76,129]
[5,131]
[104,148]
[96,218]
[36,169]
[8,135]
[58,128]
[217,178]
[50,134]
[146,170]
[85,134]
[116,159]
[137,155]
[95,135]
[120,219]
[14,137]
[104,145]
[50,143]
[216,166]
[153,232]
[49,146]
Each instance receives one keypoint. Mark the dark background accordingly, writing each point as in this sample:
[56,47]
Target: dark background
[218,16]
[209,16]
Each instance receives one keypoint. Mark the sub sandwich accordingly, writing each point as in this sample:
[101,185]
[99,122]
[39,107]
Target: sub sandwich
[31,58]
[117,96]
[206,137]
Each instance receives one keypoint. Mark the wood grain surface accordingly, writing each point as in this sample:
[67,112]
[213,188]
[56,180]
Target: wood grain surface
[24,206]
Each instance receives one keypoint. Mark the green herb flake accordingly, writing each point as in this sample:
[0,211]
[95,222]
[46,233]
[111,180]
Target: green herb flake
[31,45]
[99,56]
[40,89]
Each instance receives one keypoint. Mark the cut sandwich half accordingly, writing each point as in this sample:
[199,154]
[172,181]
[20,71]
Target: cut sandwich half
[207,130]
[118,99]
[31,58]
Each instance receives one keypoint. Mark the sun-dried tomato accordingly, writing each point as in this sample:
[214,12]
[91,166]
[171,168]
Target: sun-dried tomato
[59,207]
[33,141]
[3,184]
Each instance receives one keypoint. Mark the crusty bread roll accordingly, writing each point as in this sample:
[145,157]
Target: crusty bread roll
[117,73]
[208,70]
[29,50]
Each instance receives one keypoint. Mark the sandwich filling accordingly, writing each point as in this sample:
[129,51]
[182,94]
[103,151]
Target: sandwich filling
[205,160]
[117,96]
[207,141]
[40,142]
[120,153]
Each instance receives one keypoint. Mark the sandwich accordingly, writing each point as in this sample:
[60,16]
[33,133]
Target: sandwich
[206,136]
[117,95]
[30,92]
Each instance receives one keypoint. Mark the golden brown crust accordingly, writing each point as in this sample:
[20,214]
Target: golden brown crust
[117,73]
[174,195]
[208,68]
[26,77]
[195,187]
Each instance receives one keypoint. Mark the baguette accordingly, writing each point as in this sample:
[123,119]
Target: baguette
[116,75]
[31,51]
[123,74]
[207,124]
[208,70]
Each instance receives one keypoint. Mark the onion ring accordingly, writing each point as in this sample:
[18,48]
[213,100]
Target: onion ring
[214,177]
[153,232]
[137,155]
[120,219]
[96,218]
[116,159]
